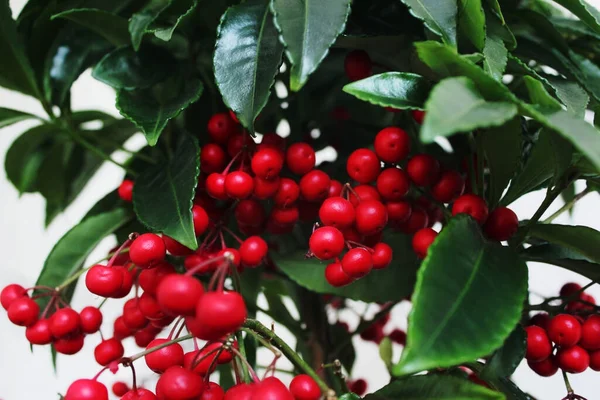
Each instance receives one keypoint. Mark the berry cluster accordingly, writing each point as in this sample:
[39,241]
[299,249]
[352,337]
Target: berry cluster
[569,341]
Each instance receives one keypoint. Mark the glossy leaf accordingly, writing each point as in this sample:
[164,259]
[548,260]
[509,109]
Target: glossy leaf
[454,319]
[455,105]
[502,146]
[349,396]
[571,95]
[71,251]
[9,117]
[110,26]
[581,239]
[507,358]
[52,178]
[16,72]
[150,110]
[181,10]
[439,387]
[400,90]
[564,257]
[140,21]
[307,29]
[588,13]
[471,21]
[124,68]
[440,18]
[495,52]
[247,58]
[163,194]
[393,283]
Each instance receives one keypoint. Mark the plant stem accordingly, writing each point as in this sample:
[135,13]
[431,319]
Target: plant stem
[568,205]
[567,383]
[72,279]
[261,330]
[153,349]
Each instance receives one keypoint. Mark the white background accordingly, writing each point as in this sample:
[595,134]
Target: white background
[25,243]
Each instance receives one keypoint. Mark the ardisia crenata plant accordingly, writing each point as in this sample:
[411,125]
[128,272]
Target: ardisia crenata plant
[394,136]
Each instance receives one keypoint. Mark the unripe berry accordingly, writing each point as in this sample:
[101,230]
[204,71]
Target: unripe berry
[392,144]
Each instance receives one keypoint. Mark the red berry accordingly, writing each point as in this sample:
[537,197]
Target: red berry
[363,193]
[252,251]
[418,116]
[287,193]
[103,281]
[220,127]
[358,65]
[125,190]
[538,345]
[200,218]
[284,216]
[422,240]
[86,389]
[314,186]
[178,383]
[139,394]
[23,311]
[393,184]
[69,345]
[120,330]
[239,185]
[219,314]
[542,320]
[335,275]
[501,224]
[326,243]
[39,333]
[417,220]
[233,116]
[398,336]
[120,388]
[371,217]
[573,360]
[267,163]
[337,212]
[133,317]
[200,361]
[363,165]
[546,368]
[179,294]
[175,248]
[273,140]
[398,211]
[357,262]
[238,142]
[215,186]
[392,144]
[150,307]
[590,333]
[162,359]
[250,212]
[382,255]
[335,188]
[149,279]
[473,205]
[212,158]
[358,386]
[569,289]
[212,391]
[108,351]
[145,336]
[271,388]
[241,391]
[564,330]
[10,293]
[265,188]
[300,158]
[595,360]
[64,322]
[147,249]
[127,283]
[423,170]
[450,185]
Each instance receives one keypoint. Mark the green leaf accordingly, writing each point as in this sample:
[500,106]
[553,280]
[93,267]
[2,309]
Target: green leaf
[52,177]
[502,146]
[582,239]
[563,257]
[507,358]
[307,29]
[495,5]
[509,389]
[439,17]
[349,396]
[247,50]
[386,351]
[110,26]
[163,194]
[140,21]
[392,283]
[454,318]
[70,252]
[585,11]
[9,117]
[124,68]
[180,9]
[471,21]
[438,387]
[15,69]
[225,376]
[150,110]
[400,90]
[495,52]
[456,106]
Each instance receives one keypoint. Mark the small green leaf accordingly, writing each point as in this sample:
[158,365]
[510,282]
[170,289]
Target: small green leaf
[585,11]
[495,52]
[150,110]
[15,69]
[392,283]
[307,29]
[471,21]
[52,178]
[386,351]
[124,68]
[110,26]
[563,257]
[507,358]
[9,117]
[247,50]
[163,194]
[438,387]
[453,318]
[495,5]
[502,146]
[349,396]
[70,252]
[581,239]
[140,21]
[180,9]
[400,90]
[456,106]
[440,18]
